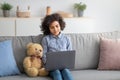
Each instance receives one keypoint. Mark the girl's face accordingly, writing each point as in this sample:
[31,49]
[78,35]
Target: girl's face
[55,28]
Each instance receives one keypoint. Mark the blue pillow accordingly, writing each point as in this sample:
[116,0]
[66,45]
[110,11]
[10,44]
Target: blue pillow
[8,64]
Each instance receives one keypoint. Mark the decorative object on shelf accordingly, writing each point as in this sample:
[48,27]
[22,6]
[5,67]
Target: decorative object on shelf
[6,7]
[48,10]
[23,14]
[65,14]
[80,7]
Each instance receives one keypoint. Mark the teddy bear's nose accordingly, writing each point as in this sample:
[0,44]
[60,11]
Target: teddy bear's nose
[37,52]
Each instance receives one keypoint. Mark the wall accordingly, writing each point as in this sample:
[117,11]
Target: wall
[106,13]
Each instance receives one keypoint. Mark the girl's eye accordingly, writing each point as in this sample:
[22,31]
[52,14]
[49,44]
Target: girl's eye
[51,27]
[56,26]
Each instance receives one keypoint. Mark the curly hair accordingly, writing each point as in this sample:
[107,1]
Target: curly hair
[48,20]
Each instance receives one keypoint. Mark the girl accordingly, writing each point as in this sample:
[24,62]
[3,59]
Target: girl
[54,40]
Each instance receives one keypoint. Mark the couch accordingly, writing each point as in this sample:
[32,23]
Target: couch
[87,46]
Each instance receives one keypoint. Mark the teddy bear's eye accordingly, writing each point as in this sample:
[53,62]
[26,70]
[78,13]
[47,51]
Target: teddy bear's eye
[40,50]
[35,48]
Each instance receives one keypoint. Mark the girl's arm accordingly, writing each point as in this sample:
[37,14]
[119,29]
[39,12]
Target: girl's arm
[69,46]
[44,45]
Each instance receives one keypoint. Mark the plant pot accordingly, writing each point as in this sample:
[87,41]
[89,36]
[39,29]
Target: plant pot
[6,13]
[80,13]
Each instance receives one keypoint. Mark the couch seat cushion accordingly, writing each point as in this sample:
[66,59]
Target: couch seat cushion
[95,75]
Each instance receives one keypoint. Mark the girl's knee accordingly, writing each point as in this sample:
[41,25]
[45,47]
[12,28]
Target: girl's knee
[66,74]
[66,70]
[56,75]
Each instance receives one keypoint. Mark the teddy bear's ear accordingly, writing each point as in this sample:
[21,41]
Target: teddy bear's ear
[29,44]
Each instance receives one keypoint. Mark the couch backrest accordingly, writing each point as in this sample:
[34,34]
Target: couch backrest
[86,46]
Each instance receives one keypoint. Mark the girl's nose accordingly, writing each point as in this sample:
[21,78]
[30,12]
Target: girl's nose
[55,28]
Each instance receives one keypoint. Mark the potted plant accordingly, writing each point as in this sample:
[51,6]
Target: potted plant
[6,7]
[80,7]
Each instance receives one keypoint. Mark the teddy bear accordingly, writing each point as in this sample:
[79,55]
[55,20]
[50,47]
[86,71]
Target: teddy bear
[32,63]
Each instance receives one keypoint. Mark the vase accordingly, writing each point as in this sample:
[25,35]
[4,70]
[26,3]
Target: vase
[80,13]
[6,13]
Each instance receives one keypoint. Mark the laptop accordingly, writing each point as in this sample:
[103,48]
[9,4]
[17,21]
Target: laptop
[60,60]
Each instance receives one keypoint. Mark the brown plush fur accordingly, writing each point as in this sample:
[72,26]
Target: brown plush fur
[32,63]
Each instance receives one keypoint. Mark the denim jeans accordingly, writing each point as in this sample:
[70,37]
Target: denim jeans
[61,74]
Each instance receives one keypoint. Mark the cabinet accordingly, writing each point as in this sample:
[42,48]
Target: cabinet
[26,27]
[7,27]
[19,26]
[79,25]
[31,26]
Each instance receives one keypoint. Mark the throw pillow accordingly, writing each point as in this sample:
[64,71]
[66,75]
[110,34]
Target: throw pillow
[109,54]
[8,65]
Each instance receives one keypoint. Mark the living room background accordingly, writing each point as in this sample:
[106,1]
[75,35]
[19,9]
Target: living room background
[106,13]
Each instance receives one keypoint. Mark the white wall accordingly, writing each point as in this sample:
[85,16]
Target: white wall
[106,13]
